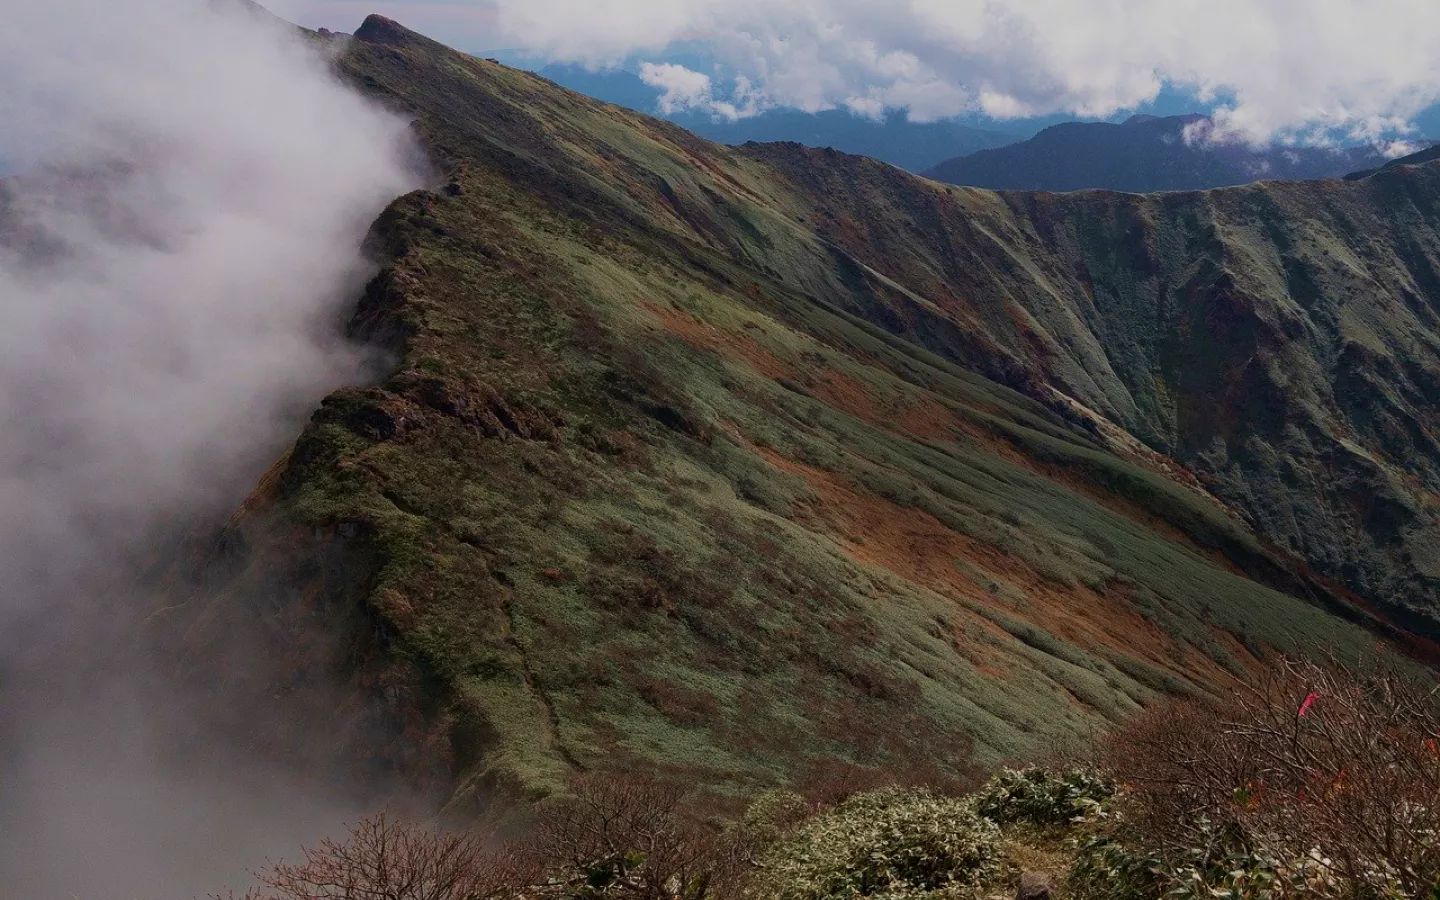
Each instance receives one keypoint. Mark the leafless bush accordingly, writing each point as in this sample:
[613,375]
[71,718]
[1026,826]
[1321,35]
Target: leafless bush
[1329,763]
[827,781]
[609,837]
[384,859]
[630,838]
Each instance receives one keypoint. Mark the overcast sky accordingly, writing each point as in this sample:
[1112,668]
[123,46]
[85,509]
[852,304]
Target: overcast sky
[1292,69]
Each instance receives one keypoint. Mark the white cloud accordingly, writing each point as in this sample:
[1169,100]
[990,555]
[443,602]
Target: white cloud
[680,88]
[683,89]
[1286,68]
[176,260]
[1397,149]
[686,90]
[215,182]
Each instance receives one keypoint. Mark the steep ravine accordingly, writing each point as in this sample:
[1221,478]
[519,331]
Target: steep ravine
[1280,340]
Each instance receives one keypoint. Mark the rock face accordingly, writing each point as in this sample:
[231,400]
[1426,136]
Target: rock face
[739,462]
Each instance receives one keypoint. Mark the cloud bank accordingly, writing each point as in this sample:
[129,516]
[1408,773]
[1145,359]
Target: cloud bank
[177,255]
[1289,69]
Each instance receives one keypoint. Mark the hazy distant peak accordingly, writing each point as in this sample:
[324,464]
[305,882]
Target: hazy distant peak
[1143,153]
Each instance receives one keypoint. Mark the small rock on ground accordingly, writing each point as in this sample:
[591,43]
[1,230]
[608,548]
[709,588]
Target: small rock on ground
[1033,886]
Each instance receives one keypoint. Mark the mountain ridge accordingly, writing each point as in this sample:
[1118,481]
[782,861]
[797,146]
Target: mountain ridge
[730,462]
[1420,156]
[1143,154]
[913,146]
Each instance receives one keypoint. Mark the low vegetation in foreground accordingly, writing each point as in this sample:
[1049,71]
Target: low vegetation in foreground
[1314,781]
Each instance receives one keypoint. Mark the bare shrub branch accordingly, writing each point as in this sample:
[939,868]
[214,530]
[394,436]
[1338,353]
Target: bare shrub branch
[384,859]
[1336,764]
[628,837]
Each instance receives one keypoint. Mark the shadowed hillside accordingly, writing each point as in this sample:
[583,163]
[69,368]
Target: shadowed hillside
[1144,153]
[1414,159]
[736,462]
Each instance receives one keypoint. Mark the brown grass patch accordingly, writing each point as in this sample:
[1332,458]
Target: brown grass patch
[704,336]
[919,548]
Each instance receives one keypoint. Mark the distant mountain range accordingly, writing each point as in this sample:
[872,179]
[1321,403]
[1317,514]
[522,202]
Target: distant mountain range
[1427,155]
[1142,154]
[913,146]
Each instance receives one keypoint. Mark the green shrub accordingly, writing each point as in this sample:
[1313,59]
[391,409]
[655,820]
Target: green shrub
[1105,869]
[1042,797]
[890,844]
[1227,867]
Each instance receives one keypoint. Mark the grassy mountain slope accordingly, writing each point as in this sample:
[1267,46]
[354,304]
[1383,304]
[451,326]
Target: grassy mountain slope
[1144,153]
[1278,340]
[736,462]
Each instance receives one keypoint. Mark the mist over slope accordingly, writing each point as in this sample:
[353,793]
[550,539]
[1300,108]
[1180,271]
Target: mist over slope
[176,254]
[730,463]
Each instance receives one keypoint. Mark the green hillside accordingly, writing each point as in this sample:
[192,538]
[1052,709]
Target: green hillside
[736,462]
